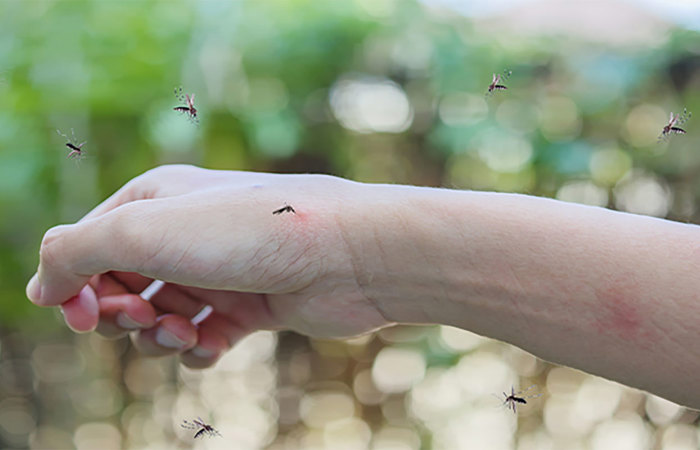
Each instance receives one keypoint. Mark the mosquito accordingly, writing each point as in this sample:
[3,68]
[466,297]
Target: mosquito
[202,427]
[674,123]
[285,208]
[511,401]
[189,108]
[498,78]
[76,150]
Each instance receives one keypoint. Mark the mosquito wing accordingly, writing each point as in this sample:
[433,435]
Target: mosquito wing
[524,391]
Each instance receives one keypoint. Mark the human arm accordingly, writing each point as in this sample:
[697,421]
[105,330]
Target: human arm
[610,293]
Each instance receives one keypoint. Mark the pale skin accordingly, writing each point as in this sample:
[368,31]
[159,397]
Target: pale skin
[612,294]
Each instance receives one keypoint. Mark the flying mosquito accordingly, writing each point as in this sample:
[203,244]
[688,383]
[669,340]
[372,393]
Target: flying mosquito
[76,150]
[285,208]
[498,78]
[202,427]
[511,401]
[189,108]
[674,123]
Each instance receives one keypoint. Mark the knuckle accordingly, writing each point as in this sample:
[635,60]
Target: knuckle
[168,170]
[51,245]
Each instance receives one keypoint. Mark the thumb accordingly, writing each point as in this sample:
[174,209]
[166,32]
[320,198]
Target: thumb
[71,254]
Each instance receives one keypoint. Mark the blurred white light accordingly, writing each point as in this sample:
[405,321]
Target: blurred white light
[371,105]
[524,363]
[584,192]
[517,115]
[643,194]
[258,346]
[319,408]
[483,373]
[564,381]
[347,434]
[100,435]
[559,119]
[476,429]
[47,436]
[559,417]
[680,436]
[16,416]
[365,390]
[436,396]
[643,125]
[395,438]
[98,399]
[461,108]
[597,399]
[412,52]
[168,132]
[661,411]
[537,440]
[248,424]
[504,152]
[459,340]
[621,434]
[609,165]
[56,363]
[398,369]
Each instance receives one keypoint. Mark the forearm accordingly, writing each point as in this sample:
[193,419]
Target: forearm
[613,294]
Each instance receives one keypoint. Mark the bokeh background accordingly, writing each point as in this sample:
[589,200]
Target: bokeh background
[374,90]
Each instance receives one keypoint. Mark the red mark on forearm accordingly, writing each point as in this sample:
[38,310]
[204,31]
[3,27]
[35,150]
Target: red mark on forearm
[621,313]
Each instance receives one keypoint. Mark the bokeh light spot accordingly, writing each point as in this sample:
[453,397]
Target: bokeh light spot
[369,105]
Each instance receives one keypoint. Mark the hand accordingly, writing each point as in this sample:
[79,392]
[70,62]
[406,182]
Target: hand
[212,237]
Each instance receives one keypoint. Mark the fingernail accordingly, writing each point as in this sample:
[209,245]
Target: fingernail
[34,289]
[202,352]
[168,339]
[124,321]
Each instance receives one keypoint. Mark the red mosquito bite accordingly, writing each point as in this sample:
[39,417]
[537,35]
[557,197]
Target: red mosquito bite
[674,123]
[76,150]
[202,428]
[188,108]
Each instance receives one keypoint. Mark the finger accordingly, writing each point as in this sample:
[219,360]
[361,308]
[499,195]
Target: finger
[164,297]
[172,334]
[81,312]
[167,181]
[172,299]
[120,314]
[129,282]
[164,181]
[221,325]
[71,254]
[210,346]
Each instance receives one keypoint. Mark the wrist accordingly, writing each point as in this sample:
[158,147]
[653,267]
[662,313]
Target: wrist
[402,250]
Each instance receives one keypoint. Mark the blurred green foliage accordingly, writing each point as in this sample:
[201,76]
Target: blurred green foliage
[579,120]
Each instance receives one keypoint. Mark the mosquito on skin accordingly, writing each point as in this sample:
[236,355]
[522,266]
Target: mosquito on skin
[76,150]
[202,427]
[498,78]
[285,208]
[674,123]
[189,108]
[511,401]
